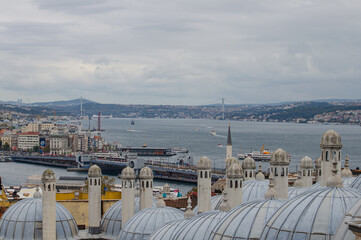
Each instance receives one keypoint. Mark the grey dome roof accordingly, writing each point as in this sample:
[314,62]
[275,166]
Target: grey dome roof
[146,173]
[94,171]
[254,189]
[356,183]
[354,213]
[295,191]
[311,215]
[280,157]
[168,231]
[230,161]
[249,163]
[127,173]
[147,221]
[216,202]
[23,220]
[234,171]
[48,175]
[199,227]
[331,138]
[112,220]
[204,163]
[306,162]
[246,221]
[347,181]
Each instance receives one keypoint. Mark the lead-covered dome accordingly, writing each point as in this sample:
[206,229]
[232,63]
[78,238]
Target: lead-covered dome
[356,183]
[48,175]
[311,215]
[147,221]
[353,214]
[146,173]
[204,163]
[127,173]
[168,231]
[306,163]
[112,220]
[280,157]
[216,202]
[230,161]
[331,138]
[249,164]
[246,221]
[234,171]
[23,220]
[254,189]
[94,171]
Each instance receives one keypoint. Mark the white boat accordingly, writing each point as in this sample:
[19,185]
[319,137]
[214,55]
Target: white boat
[262,155]
[212,133]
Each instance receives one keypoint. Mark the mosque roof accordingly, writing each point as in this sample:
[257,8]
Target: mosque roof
[254,189]
[169,230]
[112,220]
[331,137]
[23,220]
[148,220]
[312,214]
[216,202]
[295,191]
[356,183]
[246,221]
[354,213]
[249,163]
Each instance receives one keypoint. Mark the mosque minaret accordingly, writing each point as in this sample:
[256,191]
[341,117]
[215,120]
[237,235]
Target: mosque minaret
[229,143]
[49,205]
[204,184]
[306,167]
[330,149]
[94,196]
[128,194]
[234,184]
[279,167]
[146,187]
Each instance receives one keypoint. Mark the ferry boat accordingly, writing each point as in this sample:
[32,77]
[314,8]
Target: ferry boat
[132,122]
[262,155]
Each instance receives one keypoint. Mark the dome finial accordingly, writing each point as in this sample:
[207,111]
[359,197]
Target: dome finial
[335,180]
[271,192]
[260,175]
[346,172]
[298,183]
[189,213]
[225,207]
[37,194]
[160,203]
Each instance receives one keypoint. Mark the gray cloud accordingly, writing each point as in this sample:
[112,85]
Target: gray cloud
[180,52]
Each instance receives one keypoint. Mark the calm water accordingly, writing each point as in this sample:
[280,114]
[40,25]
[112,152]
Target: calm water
[298,139]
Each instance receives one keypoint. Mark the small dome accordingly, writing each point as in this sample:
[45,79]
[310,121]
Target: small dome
[230,161]
[146,173]
[311,214]
[127,173]
[254,190]
[168,231]
[306,162]
[199,227]
[112,220]
[94,171]
[48,175]
[280,157]
[246,221]
[331,138]
[23,220]
[234,171]
[204,163]
[353,214]
[147,221]
[249,163]
[318,162]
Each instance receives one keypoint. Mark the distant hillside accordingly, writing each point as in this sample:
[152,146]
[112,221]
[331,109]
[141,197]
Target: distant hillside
[66,103]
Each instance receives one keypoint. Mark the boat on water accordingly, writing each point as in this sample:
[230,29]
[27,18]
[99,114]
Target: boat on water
[220,145]
[212,133]
[132,122]
[262,155]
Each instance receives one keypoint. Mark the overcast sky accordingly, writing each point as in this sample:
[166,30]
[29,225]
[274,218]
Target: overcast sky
[180,52]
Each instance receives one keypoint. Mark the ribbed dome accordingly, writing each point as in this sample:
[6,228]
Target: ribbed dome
[127,173]
[23,220]
[356,183]
[94,171]
[246,221]
[249,163]
[147,221]
[234,171]
[112,220]
[216,202]
[353,214]
[168,231]
[146,173]
[199,227]
[254,189]
[347,181]
[306,162]
[311,215]
[295,191]
[204,163]
[280,157]
[331,138]
[230,161]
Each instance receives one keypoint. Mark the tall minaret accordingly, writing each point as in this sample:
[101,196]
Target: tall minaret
[346,172]
[146,187]
[306,167]
[318,169]
[279,167]
[49,205]
[204,184]
[234,185]
[128,194]
[229,143]
[249,169]
[94,199]
[330,149]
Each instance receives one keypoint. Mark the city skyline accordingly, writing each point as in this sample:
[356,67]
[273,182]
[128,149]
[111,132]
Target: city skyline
[180,53]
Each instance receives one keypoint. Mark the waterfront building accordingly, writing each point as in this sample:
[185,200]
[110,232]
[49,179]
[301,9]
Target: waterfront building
[59,145]
[28,140]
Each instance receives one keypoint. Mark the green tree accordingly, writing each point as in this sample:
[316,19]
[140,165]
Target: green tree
[6,146]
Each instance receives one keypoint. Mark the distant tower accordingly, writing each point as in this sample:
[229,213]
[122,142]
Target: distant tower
[49,205]
[94,199]
[346,172]
[229,143]
[99,121]
[330,149]
[234,184]
[279,167]
[204,184]
[81,107]
[318,169]
[146,187]
[222,108]
[249,169]
[306,167]
[260,175]
[128,194]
